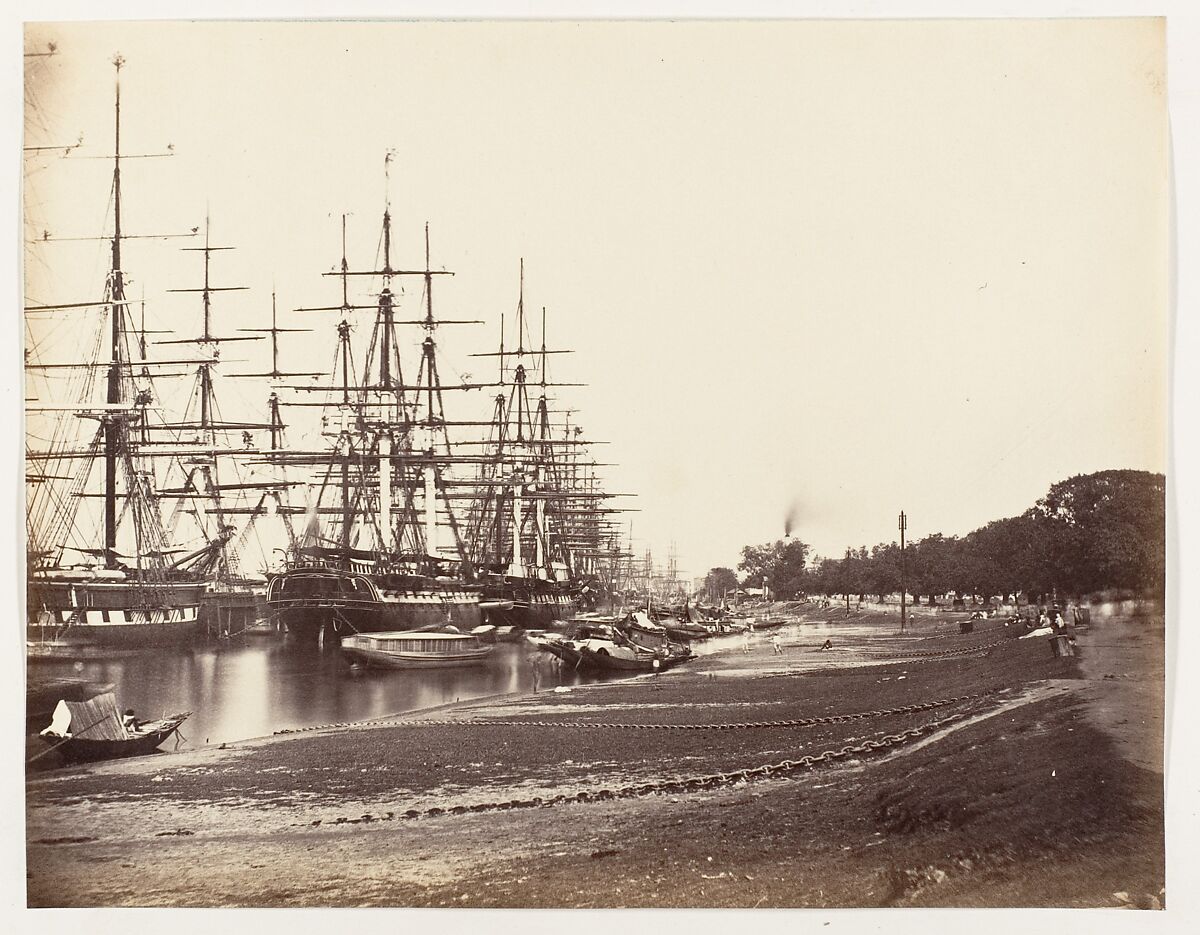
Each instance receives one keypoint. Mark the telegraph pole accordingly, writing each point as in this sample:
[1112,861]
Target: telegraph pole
[903,582]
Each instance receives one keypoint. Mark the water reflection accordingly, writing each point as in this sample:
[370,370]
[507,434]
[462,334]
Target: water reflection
[258,686]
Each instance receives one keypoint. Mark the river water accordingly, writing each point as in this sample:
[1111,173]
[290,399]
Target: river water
[255,686]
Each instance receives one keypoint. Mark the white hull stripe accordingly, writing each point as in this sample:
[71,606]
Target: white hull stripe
[418,597]
[120,617]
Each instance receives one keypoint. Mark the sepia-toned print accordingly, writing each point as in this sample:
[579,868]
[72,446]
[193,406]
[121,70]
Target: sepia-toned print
[595,465]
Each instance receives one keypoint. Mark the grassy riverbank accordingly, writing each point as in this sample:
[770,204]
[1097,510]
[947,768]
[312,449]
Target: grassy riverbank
[1034,795]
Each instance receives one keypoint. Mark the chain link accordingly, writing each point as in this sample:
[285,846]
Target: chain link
[679,784]
[746,725]
[948,652]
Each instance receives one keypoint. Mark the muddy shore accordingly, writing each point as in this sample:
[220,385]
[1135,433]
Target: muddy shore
[1041,785]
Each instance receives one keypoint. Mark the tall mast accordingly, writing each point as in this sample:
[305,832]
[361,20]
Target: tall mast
[427,345]
[274,338]
[387,340]
[206,335]
[274,331]
[432,379]
[522,453]
[345,268]
[540,531]
[389,410]
[501,432]
[386,310]
[208,423]
[347,512]
[112,423]
[275,423]
[125,402]
[519,375]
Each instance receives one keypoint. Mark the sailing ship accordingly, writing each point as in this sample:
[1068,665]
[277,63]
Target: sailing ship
[402,529]
[232,600]
[532,526]
[369,557]
[135,589]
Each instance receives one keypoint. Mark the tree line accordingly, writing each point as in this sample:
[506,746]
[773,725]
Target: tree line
[1091,532]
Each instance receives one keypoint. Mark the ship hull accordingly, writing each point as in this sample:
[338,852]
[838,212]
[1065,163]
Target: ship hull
[309,602]
[223,613]
[84,612]
[527,608]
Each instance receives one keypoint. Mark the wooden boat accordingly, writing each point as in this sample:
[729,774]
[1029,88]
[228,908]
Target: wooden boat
[770,623]
[605,656]
[607,649]
[685,625]
[42,695]
[407,650]
[86,731]
[681,630]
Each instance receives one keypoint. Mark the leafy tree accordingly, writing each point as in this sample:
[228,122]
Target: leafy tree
[1009,555]
[1091,532]
[882,576]
[780,564]
[1106,530]
[931,565]
[819,578]
[718,581]
[759,561]
[849,574]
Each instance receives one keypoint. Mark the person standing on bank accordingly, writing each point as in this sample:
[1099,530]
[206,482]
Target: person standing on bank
[535,662]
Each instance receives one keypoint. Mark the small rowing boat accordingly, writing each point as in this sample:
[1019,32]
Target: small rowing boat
[86,731]
[412,650]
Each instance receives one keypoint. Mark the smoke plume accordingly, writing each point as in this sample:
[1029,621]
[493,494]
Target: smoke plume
[791,517]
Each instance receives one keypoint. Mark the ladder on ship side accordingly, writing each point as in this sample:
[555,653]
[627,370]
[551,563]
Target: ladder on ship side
[75,617]
[447,603]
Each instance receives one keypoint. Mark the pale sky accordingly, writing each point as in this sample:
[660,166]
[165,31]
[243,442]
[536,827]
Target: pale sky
[852,267]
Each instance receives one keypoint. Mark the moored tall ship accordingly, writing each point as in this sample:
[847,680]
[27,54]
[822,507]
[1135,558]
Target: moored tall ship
[369,557]
[135,588]
[393,520]
[203,486]
[534,525]
[338,592]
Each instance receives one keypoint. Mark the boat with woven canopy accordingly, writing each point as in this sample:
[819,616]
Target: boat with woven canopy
[402,649]
[85,731]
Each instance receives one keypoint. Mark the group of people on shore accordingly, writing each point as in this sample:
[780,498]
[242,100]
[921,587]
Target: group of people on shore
[1051,617]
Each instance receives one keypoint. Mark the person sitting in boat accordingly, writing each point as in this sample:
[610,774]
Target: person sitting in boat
[129,720]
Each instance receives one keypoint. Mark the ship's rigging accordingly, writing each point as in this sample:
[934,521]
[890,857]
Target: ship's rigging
[389,484]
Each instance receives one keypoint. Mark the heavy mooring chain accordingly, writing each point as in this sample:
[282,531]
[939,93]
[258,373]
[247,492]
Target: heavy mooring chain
[680,784]
[948,652]
[746,725]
